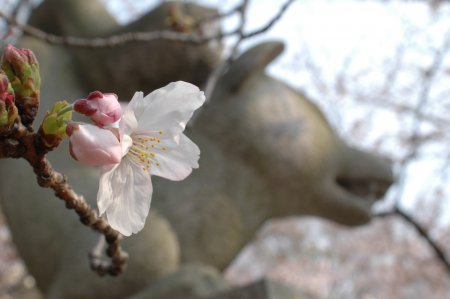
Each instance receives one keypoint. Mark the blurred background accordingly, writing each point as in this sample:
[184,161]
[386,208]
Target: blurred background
[380,71]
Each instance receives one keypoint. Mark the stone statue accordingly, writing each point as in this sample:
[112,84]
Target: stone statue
[133,66]
[267,152]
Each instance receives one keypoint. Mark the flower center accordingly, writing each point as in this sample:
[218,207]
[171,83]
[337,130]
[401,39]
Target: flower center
[146,149]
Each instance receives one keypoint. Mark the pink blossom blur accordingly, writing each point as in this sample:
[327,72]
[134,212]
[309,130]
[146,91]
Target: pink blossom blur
[104,109]
[93,146]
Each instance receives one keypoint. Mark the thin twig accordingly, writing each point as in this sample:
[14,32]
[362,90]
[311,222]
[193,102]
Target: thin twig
[222,67]
[49,178]
[24,143]
[14,14]
[421,231]
[272,22]
[122,39]
[423,100]
[114,40]
[242,10]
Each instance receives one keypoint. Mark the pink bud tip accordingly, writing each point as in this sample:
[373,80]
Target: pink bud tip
[71,127]
[82,106]
[95,94]
[104,109]
[17,56]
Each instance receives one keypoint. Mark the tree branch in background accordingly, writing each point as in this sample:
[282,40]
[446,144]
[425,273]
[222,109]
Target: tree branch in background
[272,22]
[416,141]
[421,231]
[242,10]
[15,13]
[121,39]
[111,41]
[222,67]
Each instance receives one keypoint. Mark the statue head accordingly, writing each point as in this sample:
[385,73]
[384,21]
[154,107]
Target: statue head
[287,140]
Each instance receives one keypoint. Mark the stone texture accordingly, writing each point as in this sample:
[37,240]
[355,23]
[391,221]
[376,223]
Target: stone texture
[264,289]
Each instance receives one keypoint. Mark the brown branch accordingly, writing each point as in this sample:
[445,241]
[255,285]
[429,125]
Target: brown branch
[442,257]
[114,40]
[122,39]
[29,145]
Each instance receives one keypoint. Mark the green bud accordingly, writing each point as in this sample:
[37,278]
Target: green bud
[53,127]
[8,111]
[22,69]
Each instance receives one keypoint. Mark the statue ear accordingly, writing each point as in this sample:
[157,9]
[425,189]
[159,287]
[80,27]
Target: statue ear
[250,63]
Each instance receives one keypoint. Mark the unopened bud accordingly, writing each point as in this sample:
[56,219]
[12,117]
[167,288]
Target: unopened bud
[103,109]
[8,111]
[22,69]
[53,127]
[178,21]
[92,145]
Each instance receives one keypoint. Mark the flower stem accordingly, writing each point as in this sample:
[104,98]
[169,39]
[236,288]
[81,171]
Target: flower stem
[65,109]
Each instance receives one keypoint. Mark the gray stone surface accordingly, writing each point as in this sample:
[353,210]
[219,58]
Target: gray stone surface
[189,282]
[264,289]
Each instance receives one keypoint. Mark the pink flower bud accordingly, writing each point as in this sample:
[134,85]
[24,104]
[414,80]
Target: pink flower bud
[104,109]
[8,111]
[22,69]
[18,58]
[6,92]
[94,146]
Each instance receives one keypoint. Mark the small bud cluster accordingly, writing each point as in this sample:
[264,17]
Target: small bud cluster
[8,111]
[178,21]
[97,144]
[53,127]
[22,70]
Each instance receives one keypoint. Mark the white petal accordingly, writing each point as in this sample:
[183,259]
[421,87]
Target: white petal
[129,196]
[177,162]
[105,194]
[168,108]
[128,122]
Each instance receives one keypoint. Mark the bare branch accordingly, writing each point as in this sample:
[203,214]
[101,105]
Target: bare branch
[121,39]
[421,231]
[214,77]
[14,14]
[242,10]
[114,40]
[24,143]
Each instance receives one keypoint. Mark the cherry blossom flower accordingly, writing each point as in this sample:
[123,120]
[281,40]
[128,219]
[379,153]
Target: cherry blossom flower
[153,143]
